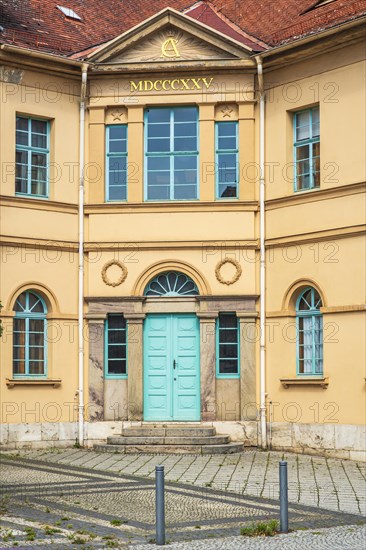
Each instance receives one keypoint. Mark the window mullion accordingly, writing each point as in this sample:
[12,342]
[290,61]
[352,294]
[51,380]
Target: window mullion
[311,124]
[44,372]
[311,165]
[29,170]
[313,343]
[26,354]
[171,141]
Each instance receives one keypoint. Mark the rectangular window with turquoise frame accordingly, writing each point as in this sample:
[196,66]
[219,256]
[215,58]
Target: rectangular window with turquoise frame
[32,157]
[116,164]
[227,169]
[171,153]
[307,149]
[115,347]
[227,346]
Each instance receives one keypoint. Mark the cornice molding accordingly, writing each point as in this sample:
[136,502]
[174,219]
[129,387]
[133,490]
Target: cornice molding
[286,313]
[131,247]
[39,204]
[305,197]
[200,206]
[317,236]
[25,242]
[184,66]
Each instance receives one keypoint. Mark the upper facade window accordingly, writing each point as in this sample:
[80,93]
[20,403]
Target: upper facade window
[29,342]
[117,162]
[226,160]
[307,149]
[171,150]
[309,333]
[32,152]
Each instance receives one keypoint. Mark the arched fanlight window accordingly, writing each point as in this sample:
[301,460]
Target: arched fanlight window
[309,333]
[29,342]
[171,283]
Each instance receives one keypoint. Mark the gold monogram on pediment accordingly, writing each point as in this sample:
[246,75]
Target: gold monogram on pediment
[169,48]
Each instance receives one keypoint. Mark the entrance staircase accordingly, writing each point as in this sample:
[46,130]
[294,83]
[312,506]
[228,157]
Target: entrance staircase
[170,439]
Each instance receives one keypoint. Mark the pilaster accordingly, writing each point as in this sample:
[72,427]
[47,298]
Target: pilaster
[135,364]
[208,365]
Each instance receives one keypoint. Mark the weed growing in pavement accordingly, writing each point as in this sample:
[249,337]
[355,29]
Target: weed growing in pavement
[31,534]
[7,534]
[116,522]
[261,529]
[4,502]
[51,530]
[86,533]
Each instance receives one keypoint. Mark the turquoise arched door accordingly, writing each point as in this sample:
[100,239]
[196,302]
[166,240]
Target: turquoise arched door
[171,356]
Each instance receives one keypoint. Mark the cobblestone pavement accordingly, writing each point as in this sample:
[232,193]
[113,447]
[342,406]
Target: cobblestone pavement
[48,503]
[339,538]
[329,483]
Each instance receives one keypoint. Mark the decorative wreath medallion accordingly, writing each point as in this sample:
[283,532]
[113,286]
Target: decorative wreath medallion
[120,279]
[236,275]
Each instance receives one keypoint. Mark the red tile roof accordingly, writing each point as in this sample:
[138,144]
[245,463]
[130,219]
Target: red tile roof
[39,24]
[207,13]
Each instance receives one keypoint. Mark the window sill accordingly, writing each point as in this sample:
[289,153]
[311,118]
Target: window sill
[11,382]
[322,382]
[30,196]
[310,190]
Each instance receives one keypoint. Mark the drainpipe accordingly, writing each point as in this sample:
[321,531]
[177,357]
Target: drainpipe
[262,273]
[81,406]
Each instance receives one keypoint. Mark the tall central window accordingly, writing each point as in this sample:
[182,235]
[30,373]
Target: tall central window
[171,148]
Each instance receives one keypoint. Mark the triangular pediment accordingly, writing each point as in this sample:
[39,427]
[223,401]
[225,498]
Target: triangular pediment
[167,37]
[171,43]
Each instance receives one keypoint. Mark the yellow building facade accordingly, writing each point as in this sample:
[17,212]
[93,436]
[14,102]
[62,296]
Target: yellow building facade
[182,239]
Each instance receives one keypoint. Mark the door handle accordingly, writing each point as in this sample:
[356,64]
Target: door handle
[174,364]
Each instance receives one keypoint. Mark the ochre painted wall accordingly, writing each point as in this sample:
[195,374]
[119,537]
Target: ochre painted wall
[311,237]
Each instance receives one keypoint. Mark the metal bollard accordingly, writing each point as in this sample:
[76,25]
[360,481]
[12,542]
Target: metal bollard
[160,505]
[283,497]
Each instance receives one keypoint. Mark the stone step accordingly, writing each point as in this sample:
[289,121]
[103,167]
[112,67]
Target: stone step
[176,440]
[228,448]
[169,431]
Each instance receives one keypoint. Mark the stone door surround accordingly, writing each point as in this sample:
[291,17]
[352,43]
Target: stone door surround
[207,309]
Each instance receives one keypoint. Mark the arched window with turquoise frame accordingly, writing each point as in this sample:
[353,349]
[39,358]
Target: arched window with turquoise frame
[29,336]
[171,283]
[309,333]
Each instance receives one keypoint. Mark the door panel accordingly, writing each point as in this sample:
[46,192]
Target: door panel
[171,367]
[186,393]
[157,371]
